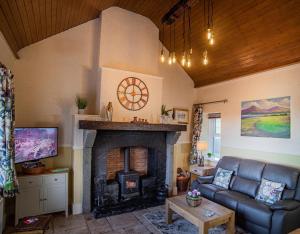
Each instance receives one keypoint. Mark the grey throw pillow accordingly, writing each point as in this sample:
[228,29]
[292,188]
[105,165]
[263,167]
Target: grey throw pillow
[269,191]
[223,178]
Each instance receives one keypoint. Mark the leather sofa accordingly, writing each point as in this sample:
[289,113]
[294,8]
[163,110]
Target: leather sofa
[252,215]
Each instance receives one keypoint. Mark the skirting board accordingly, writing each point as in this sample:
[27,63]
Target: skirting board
[77,208]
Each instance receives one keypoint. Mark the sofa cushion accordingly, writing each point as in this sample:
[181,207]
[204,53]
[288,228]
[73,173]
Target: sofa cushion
[281,174]
[229,163]
[222,178]
[255,212]
[251,169]
[245,186]
[270,191]
[208,190]
[230,199]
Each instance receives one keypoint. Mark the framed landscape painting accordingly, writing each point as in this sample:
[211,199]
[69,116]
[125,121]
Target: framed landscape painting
[266,118]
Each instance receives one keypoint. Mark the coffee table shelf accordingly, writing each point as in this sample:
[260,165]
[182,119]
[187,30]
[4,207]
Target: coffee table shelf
[198,215]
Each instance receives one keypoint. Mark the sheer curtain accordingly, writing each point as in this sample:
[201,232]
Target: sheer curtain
[8,179]
[197,126]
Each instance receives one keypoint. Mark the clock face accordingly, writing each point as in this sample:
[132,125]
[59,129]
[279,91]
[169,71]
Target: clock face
[133,93]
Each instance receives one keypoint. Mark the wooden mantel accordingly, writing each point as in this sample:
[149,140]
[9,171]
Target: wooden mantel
[125,126]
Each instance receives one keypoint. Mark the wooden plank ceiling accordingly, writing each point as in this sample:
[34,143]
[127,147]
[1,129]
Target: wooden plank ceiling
[251,35]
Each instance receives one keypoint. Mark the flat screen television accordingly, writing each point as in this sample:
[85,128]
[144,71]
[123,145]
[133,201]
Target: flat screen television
[32,144]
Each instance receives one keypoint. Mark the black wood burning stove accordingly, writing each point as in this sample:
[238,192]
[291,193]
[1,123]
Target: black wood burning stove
[128,179]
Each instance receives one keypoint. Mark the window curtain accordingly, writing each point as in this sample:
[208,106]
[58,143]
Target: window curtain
[8,179]
[197,126]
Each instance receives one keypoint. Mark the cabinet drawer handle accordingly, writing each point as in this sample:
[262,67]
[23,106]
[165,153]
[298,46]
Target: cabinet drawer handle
[44,199]
[29,182]
[55,179]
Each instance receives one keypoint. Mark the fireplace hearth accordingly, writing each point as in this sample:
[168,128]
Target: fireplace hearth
[109,191]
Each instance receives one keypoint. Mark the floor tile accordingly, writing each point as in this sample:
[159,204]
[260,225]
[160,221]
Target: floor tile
[122,221]
[137,229]
[98,225]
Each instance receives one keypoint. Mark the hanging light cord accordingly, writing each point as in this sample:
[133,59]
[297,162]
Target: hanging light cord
[190,30]
[174,37]
[170,38]
[163,35]
[183,29]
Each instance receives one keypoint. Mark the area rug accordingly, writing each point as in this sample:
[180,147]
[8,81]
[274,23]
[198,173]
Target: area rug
[180,225]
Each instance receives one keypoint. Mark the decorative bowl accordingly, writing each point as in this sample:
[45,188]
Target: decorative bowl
[193,201]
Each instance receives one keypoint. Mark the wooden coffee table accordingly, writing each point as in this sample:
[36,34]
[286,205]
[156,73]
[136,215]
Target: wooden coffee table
[198,215]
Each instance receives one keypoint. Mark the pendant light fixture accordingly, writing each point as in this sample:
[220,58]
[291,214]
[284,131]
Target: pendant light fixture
[162,55]
[174,54]
[182,10]
[205,58]
[210,32]
[170,61]
[183,59]
[189,61]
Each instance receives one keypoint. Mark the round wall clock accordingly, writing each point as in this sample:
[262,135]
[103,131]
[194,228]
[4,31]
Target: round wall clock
[133,93]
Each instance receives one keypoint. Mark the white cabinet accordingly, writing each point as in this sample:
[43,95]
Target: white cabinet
[42,194]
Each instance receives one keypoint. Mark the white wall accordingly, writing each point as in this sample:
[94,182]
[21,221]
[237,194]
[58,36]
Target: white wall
[279,82]
[110,80]
[50,73]
[130,42]
[6,56]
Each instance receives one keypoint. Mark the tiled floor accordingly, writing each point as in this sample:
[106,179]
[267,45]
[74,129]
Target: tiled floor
[128,223]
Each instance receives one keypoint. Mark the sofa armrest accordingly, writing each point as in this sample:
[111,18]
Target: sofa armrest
[205,179]
[285,221]
[285,205]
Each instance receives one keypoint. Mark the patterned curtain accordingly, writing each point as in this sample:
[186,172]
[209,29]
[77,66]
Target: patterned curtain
[197,125]
[8,179]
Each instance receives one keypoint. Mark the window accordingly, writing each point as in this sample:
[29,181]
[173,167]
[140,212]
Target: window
[215,134]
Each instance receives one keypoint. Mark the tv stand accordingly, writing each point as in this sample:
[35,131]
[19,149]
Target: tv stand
[33,168]
[42,194]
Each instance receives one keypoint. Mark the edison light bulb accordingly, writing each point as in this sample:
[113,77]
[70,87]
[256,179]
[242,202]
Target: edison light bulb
[173,58]
[162,56]
[211,41]
[189,62]
[205,59]
[170,59]
[183,60]
[209,33]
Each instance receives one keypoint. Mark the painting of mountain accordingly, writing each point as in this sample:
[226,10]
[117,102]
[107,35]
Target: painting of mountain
[266,118]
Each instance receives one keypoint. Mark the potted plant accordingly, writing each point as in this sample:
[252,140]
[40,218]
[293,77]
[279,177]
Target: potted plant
[209,155]
[193,198]
[81,104]
[164,115]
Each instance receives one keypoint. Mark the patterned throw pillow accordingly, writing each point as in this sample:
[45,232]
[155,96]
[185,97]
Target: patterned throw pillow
[222,178]
[269,191]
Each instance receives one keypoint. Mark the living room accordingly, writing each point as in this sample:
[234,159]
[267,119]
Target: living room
[217,83]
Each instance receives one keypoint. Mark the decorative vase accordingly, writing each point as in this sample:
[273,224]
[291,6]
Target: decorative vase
[193,201]
[81,111]
[109,111]
[164,119]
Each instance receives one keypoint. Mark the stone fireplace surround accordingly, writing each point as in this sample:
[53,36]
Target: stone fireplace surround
[100,137]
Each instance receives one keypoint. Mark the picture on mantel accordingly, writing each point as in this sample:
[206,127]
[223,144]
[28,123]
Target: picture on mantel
[266,118]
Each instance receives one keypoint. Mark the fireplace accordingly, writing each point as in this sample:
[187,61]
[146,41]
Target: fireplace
[128,179]
[112,185]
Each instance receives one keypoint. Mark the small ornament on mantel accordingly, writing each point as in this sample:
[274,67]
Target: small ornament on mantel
[139,120]
[109,111]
